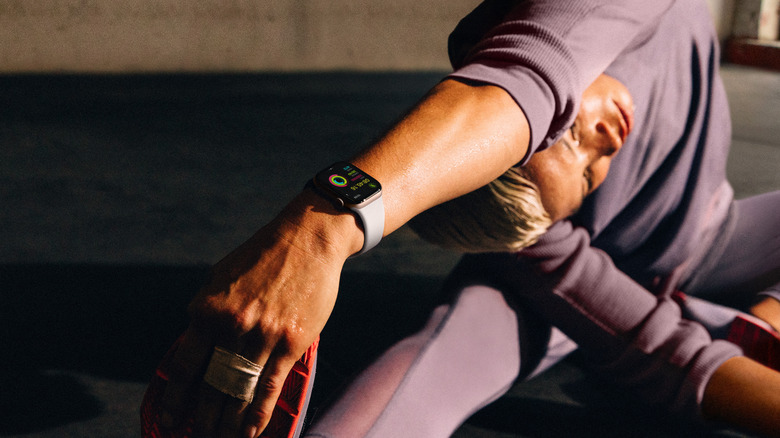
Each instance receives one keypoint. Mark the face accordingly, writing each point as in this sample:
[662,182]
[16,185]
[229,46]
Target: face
[578,163]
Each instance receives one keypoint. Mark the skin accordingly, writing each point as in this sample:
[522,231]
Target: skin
[270,298]
[744,393]
[576,165]
[768,309]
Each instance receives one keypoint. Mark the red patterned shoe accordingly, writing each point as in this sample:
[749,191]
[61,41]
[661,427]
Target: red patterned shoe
[758,342]
[286,420]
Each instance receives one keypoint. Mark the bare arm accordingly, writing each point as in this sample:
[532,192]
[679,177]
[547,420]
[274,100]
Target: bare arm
[768,309]
[746,394]
[270,298]
[458,139]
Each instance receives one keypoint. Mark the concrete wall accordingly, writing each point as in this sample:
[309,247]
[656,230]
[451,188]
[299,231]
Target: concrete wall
[723,16]
[231,35]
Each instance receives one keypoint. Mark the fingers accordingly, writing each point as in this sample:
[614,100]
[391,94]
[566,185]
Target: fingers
[211,401]
[187,366]
[208,412]
[233,413]
[259,412]
[220,410]
[218,414]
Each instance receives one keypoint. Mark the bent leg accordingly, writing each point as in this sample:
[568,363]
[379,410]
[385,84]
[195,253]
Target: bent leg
[425,386]
[747,264]
[750,261]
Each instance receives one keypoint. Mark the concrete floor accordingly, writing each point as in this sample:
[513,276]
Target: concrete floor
[118,192]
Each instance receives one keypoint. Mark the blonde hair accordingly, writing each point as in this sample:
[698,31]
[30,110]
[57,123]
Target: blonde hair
[504,216]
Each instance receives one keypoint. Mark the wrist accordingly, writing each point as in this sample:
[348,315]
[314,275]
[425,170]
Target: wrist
[348,187]
[332,231]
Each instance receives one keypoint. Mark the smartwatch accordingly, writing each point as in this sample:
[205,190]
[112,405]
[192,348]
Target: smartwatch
[351,188]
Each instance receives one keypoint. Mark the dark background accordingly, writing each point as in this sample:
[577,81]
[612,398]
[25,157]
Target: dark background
[118,192]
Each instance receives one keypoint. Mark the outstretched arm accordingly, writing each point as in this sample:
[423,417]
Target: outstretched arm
[459,138]
[270,298]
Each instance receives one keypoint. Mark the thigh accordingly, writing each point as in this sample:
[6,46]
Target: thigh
[750,261]
[541,344]
[469,353]
[465,357]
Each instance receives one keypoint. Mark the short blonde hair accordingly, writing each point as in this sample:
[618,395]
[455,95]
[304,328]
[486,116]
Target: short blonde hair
[504,216]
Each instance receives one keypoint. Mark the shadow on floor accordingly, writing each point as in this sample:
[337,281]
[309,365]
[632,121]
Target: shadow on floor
[111,322]
[115,322]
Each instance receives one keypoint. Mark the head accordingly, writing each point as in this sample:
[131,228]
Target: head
[576,165]
[503,216]
[513,211]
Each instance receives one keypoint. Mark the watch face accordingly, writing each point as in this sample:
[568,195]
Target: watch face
[348,183]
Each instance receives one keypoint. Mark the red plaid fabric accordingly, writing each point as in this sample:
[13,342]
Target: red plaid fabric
[757,342]
[284,419]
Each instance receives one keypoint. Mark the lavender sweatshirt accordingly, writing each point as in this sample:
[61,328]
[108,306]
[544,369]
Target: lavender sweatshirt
[665,199]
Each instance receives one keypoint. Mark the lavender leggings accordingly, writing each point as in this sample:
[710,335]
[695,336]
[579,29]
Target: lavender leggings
[472,350]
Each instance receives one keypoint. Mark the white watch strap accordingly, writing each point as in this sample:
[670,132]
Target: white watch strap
[372,217]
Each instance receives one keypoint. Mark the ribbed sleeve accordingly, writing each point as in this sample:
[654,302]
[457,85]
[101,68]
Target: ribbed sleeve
[545,53]
[639,340]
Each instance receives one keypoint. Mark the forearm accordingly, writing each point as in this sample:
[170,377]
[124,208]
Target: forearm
[746,394]
[459,138]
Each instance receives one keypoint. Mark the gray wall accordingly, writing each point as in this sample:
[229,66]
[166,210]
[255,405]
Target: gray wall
[230,35]
[225,35]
